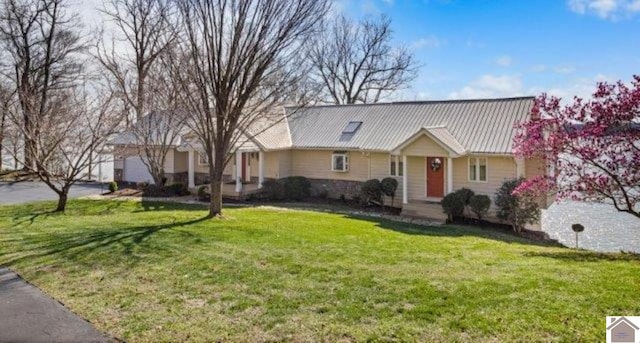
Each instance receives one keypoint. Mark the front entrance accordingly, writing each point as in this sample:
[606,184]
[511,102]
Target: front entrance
[245,165]
[435,177]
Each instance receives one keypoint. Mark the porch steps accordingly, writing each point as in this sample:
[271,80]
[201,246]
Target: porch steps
[424,209]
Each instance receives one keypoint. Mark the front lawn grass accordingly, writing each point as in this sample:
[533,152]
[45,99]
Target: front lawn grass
[160,272]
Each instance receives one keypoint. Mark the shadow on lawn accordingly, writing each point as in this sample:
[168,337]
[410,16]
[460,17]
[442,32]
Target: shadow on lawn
[585,256]
[453,231]
[77,245]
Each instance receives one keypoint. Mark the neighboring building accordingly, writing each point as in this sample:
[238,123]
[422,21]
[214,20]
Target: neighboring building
[431,147]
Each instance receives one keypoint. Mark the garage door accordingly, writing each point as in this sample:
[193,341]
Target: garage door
[136,171]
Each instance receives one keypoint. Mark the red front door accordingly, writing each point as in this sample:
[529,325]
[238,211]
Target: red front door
[435,177]
[244,166]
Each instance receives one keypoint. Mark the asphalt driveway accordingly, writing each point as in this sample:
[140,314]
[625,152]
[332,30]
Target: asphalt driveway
[22,192]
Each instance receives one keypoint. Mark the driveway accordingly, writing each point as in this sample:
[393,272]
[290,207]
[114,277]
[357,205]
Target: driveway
[28,315]
[21,192]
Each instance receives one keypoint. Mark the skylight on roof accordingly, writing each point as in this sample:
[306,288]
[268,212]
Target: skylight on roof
[352,127]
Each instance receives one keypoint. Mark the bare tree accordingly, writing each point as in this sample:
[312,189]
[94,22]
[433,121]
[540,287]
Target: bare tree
[5,102]
[39,42]
[241,62]
[71,142]
[355,62]
[146,29]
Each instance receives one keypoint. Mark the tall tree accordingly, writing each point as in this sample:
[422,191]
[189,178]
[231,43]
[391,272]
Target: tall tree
[356,63]
[40,42]
[144,30]
[591,147]
[242,59]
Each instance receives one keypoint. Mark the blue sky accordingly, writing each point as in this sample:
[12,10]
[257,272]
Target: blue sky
[494,48]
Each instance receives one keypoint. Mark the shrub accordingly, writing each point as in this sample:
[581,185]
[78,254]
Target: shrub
[389,187]
[371,191]
[480,204]
[113,186]
[202,194]
[465,195]
[297,187]
[150,190]
[344,198]
[517,210]
[323,194]
[274,189]
[453,205]
[177,189]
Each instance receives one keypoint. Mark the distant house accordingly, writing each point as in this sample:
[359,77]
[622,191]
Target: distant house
[622,330]
[431,147]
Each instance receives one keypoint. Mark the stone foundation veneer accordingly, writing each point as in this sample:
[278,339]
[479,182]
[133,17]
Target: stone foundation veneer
[335,188]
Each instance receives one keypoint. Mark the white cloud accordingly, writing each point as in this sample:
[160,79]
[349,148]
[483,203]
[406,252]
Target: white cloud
[503,61]
[539,68]
[565,69]
[605,9]
[490,86]
[581,87]
[427,42]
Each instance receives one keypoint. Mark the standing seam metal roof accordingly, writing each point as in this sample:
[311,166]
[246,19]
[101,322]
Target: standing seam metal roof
[480,126]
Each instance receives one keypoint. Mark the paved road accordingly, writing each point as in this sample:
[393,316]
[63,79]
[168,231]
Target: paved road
[28,315]
[21,192]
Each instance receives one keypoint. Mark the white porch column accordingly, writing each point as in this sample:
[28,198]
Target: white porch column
[405,171]
[520,167]
[238,172]
[191,169]
[260,168]
[449,175]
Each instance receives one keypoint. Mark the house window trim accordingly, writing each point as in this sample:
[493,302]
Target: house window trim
[345,156]
[396,160]
[486,173]
[202,157]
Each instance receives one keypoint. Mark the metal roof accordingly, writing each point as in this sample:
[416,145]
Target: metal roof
[475,126]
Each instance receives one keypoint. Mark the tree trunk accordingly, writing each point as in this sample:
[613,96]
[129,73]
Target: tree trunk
[62,202]
[215,207]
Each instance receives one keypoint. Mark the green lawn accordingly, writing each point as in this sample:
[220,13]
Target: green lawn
[159,272]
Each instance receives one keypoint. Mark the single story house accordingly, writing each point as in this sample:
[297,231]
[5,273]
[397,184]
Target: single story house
[431,148]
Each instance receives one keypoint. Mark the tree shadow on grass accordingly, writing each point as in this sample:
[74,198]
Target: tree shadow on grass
[453,231]
[585,256]
[79,244]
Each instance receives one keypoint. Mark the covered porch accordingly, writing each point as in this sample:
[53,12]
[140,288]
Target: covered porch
[427,157]
[239,179]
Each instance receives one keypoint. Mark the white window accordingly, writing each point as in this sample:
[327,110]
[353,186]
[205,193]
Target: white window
[202,159]
[478,169]
[396,167]
[339,162]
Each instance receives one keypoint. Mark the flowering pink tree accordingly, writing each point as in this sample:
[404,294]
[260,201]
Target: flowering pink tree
[592,148]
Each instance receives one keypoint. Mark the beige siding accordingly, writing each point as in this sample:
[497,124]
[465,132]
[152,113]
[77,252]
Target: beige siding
[181,161]
[534,167]
[424,146]
[316,164]
[416,178]
[499,169]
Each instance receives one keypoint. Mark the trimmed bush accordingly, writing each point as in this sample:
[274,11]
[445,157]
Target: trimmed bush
[371,191]
[202,194]
[453,205]
[113,186]
[176,189]
[297,187]
[517,210]
[274,189]
[465,194]
[480,204]
[389,187]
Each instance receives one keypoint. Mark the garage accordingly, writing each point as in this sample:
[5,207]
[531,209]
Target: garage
[135,170]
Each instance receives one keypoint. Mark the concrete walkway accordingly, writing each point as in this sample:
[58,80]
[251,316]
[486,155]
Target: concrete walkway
[28,315]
